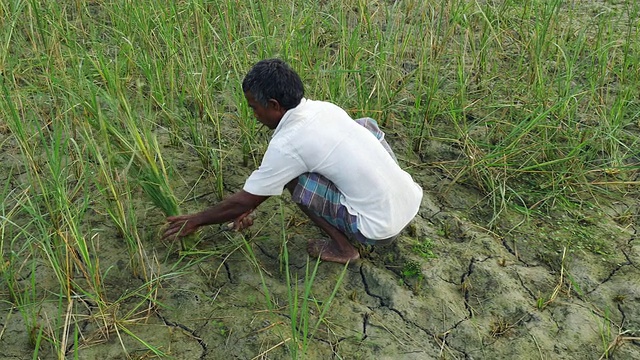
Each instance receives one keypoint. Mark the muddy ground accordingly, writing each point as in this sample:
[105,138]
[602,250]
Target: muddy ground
[449,288]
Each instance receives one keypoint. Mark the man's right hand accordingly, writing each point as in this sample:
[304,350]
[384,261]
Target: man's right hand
[181,226]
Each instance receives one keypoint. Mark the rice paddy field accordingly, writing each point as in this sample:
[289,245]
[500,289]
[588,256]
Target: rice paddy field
[519,118]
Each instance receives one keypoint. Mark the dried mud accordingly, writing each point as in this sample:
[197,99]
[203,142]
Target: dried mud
[474,294]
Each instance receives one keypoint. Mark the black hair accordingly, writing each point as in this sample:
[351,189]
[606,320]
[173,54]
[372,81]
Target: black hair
[274,79]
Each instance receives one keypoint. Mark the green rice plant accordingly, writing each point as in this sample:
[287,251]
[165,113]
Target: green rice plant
[248,129]
[425,109]
[25,299]
[390,81]
[302,306]
[6,213]
[199,77]
[537,101]
[215,160]
[19,266]
[559,118]
[236,41]
[433,25]
[540,45]
[134,141]
[50,186]
[55,236]
[46,330]
[135,145]
[211,156]
[56,206]
[140,153]
[301,303]
[118,203]
[130,134]
[147,162]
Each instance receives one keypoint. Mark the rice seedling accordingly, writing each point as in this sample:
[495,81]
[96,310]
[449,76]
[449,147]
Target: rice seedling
[305,312]
[55,242]
[19,267]
[301,303]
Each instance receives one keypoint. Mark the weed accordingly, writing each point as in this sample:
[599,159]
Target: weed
[565,282]
[499,327]
[412,269]
[619,298]
[220,327]
[424,249]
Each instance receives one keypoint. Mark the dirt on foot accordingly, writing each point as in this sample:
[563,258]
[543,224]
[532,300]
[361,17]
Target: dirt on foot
[327,250]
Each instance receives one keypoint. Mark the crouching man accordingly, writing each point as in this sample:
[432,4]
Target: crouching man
[341,172]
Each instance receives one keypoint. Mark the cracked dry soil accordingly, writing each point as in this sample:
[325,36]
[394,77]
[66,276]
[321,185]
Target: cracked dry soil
[486,294]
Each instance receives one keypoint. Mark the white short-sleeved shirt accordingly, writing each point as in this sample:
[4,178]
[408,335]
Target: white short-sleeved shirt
[321,137]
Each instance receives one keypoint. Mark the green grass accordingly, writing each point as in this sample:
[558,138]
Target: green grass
[306,313]
[103,100]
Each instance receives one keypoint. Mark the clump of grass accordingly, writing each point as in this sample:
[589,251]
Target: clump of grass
[411,269]
[131,138]
[301,302]
[424,248]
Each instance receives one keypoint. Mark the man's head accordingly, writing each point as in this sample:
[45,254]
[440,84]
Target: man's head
[271,88]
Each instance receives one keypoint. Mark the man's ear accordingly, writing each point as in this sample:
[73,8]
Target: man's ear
[274,104]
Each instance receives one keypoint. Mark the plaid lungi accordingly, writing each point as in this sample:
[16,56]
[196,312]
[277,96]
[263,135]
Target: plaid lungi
[320,195]
[316,193]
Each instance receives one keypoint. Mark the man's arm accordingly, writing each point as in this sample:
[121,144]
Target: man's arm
[231,208]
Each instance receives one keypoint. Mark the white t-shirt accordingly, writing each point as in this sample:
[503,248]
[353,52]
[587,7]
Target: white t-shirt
[321,137]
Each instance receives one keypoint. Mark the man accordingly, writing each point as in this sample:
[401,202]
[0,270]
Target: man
[340,172]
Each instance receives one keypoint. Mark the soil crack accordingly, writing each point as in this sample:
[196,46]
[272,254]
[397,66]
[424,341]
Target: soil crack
[465,284]
[367,289]
[622,314]
[365,323]
[189,331]
[509,249]
[524,286]
[629,260]
[383,303]
[228,271]
[611,275]
[266,253]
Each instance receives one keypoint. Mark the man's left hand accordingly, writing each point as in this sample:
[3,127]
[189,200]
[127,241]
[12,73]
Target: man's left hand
[243,221]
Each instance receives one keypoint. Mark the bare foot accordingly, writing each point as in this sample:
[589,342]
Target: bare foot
[328,250]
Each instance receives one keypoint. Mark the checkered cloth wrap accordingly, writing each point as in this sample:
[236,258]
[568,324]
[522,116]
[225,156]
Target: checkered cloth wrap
[372,126]
[321,196]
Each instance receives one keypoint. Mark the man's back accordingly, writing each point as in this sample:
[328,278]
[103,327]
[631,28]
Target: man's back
[322,138]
